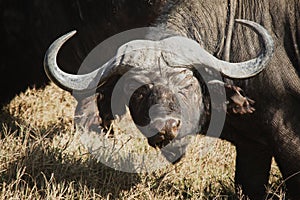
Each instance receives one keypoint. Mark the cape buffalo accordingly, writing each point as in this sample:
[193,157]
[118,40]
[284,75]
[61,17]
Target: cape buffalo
[271,131]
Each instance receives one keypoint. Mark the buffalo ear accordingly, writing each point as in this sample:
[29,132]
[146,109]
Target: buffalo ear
[87,114]
[94,110]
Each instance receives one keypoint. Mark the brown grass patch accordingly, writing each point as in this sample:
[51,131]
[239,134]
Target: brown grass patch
[41,157]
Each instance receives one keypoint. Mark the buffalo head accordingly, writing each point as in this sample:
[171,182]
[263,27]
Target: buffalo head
[160,82]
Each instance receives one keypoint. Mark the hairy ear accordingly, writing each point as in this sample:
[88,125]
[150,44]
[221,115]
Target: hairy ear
[93,111]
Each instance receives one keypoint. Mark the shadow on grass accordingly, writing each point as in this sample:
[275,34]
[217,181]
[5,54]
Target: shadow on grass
[7,121]
[44,167]
[17,125]
[41,166]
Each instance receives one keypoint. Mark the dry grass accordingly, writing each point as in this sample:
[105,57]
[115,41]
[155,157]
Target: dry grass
[41,157]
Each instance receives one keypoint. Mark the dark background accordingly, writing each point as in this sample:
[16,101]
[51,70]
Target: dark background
[27,28]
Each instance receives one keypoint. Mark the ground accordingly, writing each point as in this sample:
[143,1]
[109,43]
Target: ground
[42,157]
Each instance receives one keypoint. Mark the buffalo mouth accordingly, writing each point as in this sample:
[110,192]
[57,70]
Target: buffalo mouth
[169,140]
[166,131]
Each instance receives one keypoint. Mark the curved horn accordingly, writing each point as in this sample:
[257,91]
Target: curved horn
[254,66]
[176,51]
[70,81]
[132,54]
[62,79]
[185,52]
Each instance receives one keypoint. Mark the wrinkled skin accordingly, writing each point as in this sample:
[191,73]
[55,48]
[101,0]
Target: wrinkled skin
[272,130]
[276,92]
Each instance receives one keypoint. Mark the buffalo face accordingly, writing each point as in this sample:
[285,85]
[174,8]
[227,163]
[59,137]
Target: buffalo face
[165,104]
[155,106]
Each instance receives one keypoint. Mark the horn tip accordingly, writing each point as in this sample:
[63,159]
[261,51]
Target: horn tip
[67,36]
[71,33]
[241,21]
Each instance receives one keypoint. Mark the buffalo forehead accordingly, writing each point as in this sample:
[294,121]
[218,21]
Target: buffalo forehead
[166,76]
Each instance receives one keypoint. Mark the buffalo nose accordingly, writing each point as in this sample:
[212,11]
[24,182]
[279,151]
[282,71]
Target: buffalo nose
[167,131]
[171,126]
